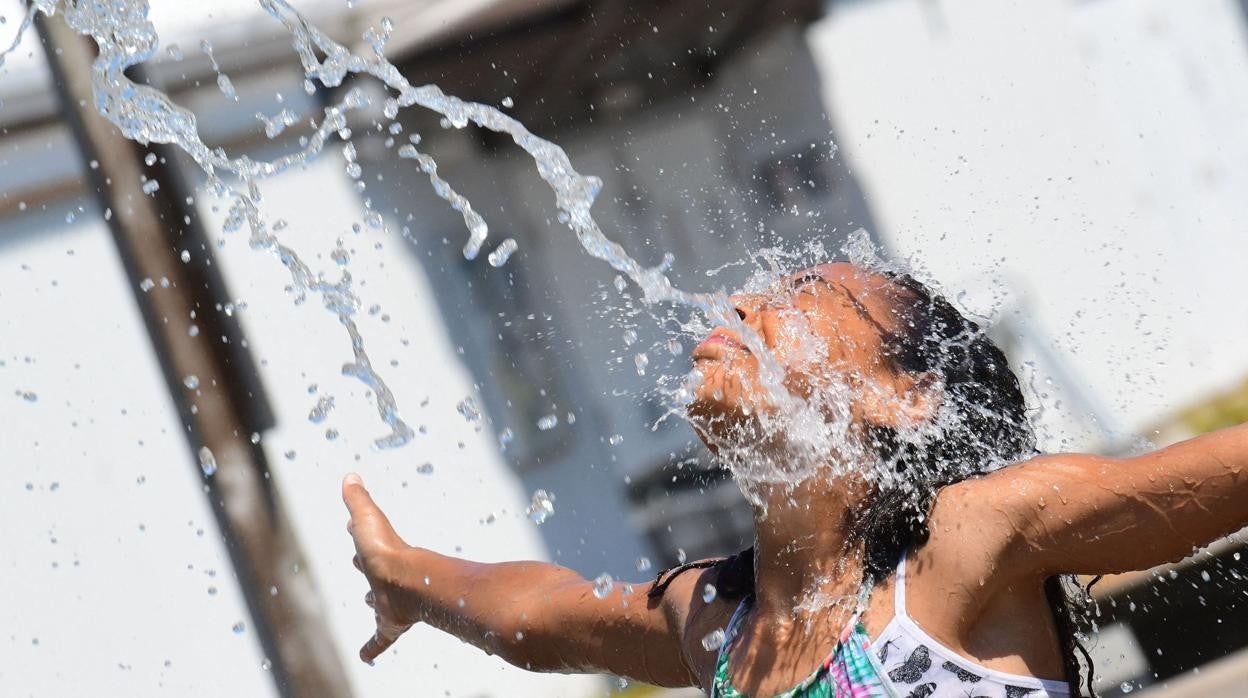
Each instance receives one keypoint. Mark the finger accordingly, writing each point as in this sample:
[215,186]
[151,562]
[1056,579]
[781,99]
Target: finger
[365,514]
[374,647]
[355,496]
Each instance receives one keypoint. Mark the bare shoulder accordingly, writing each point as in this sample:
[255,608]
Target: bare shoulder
[684,603]
[978,524]
[999,515]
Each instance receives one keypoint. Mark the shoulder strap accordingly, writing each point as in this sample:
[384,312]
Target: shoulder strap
[899,587]
[734,623]
[720,683]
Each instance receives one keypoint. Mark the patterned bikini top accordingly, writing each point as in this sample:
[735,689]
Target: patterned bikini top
[903,662]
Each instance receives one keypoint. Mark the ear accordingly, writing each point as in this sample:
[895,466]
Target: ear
[912,399]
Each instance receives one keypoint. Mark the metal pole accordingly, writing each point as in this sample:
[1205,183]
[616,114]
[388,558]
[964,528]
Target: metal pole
[223,407]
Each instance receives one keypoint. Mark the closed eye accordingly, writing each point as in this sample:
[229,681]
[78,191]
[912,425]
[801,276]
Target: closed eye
[803,282]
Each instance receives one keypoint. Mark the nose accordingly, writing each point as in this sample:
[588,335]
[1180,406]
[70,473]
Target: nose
[747,306]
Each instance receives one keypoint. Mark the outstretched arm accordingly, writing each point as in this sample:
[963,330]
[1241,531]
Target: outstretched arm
[534,615]
[1094,515]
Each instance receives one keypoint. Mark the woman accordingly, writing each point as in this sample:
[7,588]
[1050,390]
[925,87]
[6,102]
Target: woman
[908,562]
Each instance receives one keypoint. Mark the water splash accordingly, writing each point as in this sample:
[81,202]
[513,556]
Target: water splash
[45,6]
[125,37]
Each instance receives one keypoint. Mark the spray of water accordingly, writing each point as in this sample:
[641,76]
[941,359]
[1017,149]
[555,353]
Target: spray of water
[126,37]
[813,428]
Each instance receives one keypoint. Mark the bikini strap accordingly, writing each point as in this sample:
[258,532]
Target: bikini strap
[899,587]
[734,623]
[730,634]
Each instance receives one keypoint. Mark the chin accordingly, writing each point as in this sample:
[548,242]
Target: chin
[721,422]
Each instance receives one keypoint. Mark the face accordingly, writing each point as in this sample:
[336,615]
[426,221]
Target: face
[822,324]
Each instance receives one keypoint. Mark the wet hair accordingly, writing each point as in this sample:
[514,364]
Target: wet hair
[984,427]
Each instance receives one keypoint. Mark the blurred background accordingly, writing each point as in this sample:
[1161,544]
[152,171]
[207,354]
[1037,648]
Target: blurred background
[1071,171]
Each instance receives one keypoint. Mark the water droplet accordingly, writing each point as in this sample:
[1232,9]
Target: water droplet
[331,434]
[146,285]
[508,103]
[713,640]
[630,337]
[227,86]
[185,256]
[603,584]
[502,253]
[320,411]
[541,507]
[680,555]
[643,564]
[150,187]
[424,468]
[239,628]
[674,347]
[191,382]
[709,592]
[468,409]
[207,462]
[150,159]
[615,440]
[28,395]
[641,361]
[1127,687]
[547,422]
[505,437]
[289,455]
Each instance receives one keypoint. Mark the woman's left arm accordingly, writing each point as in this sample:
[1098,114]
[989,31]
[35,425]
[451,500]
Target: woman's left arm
[1081,514]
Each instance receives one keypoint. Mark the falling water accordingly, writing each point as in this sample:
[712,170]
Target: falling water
[126,37]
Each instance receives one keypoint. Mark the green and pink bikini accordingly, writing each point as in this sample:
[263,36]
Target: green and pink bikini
[903,662]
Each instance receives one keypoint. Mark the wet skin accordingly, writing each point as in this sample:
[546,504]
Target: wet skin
[976,585]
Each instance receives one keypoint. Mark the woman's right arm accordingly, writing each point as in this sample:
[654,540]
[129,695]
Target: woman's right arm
[534,615]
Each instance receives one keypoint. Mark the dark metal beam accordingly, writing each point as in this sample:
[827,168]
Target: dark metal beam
[226,407]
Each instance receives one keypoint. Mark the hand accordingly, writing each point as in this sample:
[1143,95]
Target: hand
[378,554]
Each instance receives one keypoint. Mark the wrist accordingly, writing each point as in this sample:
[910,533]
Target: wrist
[408,576]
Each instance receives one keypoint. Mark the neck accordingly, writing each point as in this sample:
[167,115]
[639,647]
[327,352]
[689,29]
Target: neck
[805,557]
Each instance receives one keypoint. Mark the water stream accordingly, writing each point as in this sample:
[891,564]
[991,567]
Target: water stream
[126,37]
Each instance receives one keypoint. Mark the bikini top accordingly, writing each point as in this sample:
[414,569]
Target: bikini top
[903,662]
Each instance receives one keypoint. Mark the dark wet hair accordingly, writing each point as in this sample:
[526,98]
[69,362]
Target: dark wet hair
[988,428]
